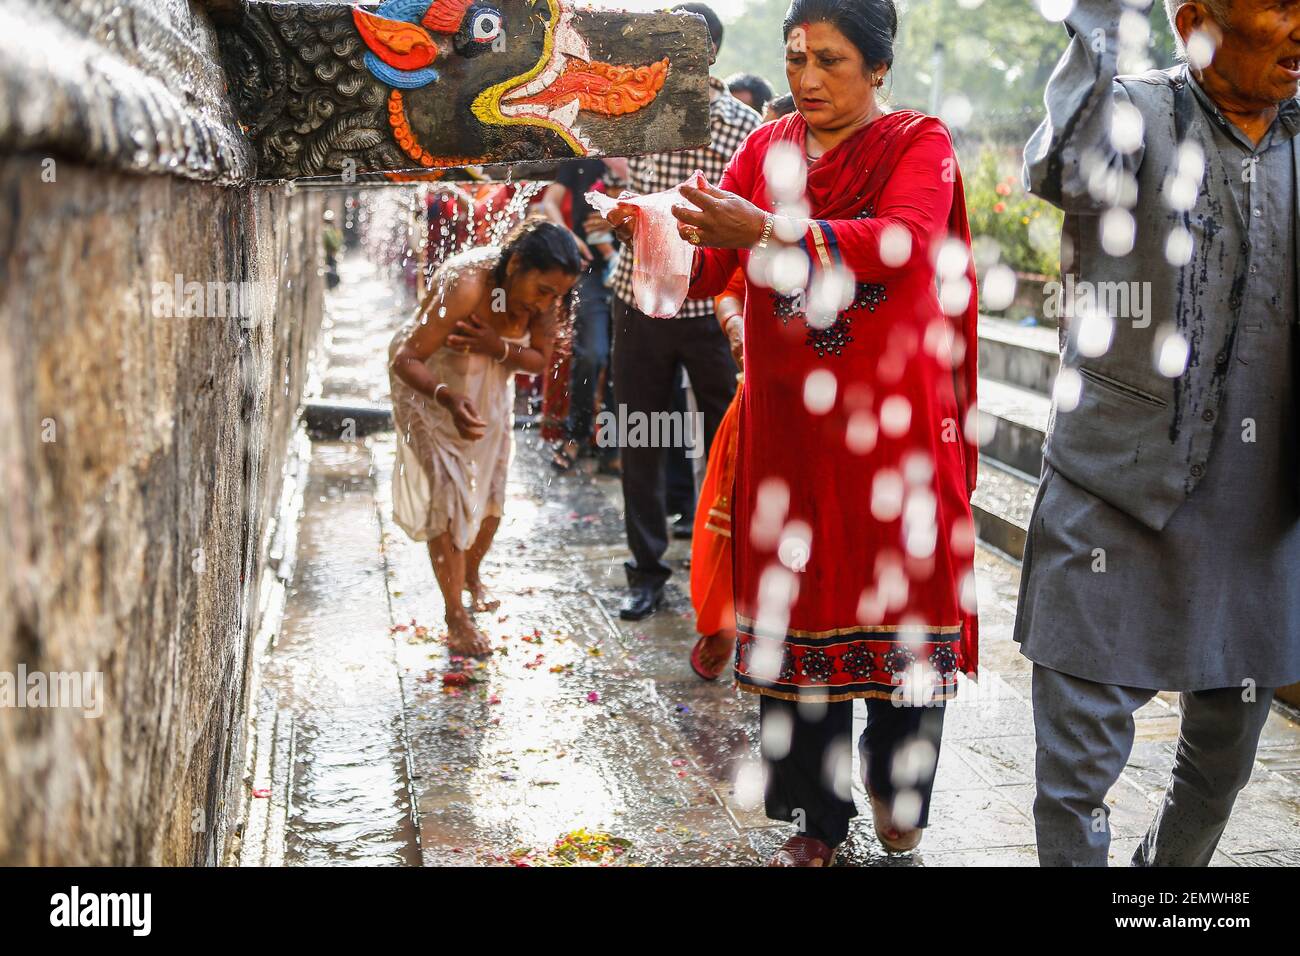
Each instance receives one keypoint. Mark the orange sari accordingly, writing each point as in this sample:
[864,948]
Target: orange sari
[711,582]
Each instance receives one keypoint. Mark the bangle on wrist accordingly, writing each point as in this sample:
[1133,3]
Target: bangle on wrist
[769,220]
[505,353]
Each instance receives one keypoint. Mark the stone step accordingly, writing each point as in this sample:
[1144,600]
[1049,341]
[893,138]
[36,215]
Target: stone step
[1001,505]
[1024,356]
[345,419]
[1013,423]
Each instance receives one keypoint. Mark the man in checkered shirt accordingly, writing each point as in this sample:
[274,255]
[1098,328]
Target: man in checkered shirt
[648,352]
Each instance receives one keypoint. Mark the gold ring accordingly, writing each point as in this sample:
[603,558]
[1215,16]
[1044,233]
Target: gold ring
[693,235]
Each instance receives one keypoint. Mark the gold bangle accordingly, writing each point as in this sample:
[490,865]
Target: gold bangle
[768,221]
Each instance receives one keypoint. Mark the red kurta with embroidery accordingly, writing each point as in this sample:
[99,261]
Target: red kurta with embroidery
[854,543]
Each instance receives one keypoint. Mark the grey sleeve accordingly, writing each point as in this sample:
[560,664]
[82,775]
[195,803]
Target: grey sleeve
[1072,150]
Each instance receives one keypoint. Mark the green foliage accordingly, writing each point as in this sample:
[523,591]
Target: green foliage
[1026,229]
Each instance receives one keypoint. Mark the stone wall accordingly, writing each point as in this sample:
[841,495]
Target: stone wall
[141,459]
[141,449]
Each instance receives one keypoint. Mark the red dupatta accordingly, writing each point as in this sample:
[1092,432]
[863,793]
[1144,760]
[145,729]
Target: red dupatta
[848,178]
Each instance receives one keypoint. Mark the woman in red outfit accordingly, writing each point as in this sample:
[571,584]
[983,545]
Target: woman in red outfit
[852,527]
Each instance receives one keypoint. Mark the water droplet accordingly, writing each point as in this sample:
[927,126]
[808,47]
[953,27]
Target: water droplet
[1179,247]
[895,416]
[1171,353]
[895,246]
[999,288]
[819,390]
[1118,232]
[1056,10]
[1093,331]
[887,495]
[1067,389]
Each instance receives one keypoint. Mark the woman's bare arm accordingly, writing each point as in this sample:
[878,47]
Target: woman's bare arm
[537,358]
[450,302]
[445,305]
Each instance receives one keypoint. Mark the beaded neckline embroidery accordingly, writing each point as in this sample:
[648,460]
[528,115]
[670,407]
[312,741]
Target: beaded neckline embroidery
[834,338]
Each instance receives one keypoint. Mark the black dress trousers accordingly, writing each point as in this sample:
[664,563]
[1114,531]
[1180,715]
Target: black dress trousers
[647,352]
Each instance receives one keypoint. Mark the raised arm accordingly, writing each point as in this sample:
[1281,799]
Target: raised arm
[915,203]
[1075,142]
[551,203]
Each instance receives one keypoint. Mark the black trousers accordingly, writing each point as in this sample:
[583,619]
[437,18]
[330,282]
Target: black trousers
[681,473]
[899,751]
[647,353]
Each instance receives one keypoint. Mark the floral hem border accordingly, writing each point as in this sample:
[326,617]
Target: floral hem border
[864,665]
[811,697]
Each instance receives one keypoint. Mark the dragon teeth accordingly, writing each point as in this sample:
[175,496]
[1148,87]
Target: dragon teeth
[569,42]
[566,114]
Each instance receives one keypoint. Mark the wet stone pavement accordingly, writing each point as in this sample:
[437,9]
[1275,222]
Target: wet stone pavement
[583,738]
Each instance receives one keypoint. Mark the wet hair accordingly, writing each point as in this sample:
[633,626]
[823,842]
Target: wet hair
[759,90]
[540,244]
[870,25]
[711,18]
[783,105]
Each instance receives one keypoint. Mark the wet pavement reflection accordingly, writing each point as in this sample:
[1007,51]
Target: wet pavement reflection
[588,740]
[333,674]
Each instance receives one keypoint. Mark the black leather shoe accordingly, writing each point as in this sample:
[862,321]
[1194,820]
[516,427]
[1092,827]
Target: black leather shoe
[684,528]
[640,603]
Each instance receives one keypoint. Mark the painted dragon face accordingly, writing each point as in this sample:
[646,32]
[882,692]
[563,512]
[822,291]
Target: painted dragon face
[565,81]
[470,73]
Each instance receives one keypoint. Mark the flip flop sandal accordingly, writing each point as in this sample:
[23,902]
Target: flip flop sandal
[803,851]
[697,661]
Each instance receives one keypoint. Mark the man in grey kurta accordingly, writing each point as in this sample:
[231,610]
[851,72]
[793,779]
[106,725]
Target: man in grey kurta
[1164,547]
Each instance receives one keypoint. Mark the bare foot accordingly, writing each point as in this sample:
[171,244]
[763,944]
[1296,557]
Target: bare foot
[480,598]
[465,639]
